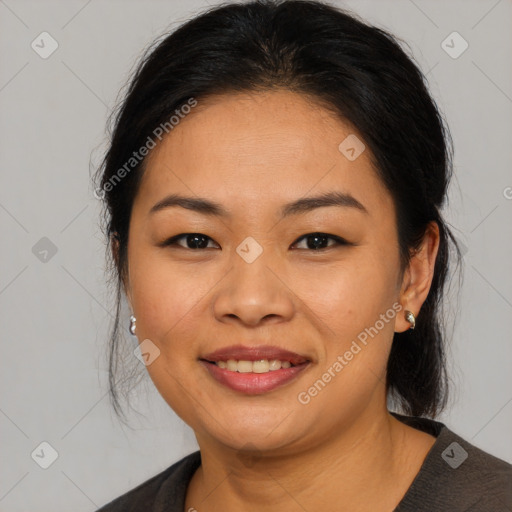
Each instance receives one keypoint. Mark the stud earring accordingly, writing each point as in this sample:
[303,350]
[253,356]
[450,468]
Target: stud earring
[132,324]
[409,316]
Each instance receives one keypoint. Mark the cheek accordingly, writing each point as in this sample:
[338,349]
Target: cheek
[165,297]
[350,295]
[357,340]
[354,297]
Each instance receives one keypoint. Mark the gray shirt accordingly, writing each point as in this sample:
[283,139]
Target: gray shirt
[455,476]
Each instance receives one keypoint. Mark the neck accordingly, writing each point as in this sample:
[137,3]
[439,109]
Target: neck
[367,466]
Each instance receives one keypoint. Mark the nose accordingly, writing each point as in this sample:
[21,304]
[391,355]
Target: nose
[253,294]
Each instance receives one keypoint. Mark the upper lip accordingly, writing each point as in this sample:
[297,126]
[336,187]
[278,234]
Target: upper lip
[254,353]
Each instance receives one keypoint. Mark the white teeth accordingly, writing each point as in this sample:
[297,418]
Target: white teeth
[275,364]
[260,366]
[244,366]
[232,365]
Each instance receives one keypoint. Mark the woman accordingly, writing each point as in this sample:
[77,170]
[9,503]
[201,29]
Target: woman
[273,195]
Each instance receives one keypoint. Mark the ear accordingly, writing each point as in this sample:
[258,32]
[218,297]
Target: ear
[114,244]
[115,241]
[418,276]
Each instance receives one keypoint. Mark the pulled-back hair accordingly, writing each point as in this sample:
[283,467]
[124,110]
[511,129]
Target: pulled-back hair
[359,72]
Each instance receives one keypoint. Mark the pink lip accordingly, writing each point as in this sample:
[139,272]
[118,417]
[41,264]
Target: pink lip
[253,383]
[241,353]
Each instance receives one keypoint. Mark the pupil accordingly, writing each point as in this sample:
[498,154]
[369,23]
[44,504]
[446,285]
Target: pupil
[195,243]
[316,238]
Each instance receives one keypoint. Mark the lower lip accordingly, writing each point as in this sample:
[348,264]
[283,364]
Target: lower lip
[254,383]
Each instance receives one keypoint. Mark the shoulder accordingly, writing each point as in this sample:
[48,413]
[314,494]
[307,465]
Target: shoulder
[458,476]
[164,491]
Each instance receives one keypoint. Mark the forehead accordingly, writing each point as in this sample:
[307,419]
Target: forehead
[254,149]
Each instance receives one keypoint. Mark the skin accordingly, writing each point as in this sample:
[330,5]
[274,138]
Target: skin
[253,153]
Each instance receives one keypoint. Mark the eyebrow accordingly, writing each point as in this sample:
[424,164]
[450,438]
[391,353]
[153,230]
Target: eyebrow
[300,206]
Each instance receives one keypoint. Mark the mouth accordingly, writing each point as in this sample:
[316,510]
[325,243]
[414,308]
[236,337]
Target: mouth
[254,370]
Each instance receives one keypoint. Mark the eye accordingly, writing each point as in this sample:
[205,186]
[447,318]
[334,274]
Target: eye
[192,241]
[314,241]
[317,241]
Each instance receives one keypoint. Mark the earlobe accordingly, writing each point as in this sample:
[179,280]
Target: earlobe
[418,278]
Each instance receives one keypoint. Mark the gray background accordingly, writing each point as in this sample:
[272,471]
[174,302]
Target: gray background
[55,314]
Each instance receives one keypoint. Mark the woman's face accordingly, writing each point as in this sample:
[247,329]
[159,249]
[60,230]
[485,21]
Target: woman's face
[256,279]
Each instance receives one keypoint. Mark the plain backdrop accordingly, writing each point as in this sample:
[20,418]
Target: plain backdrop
[54,305]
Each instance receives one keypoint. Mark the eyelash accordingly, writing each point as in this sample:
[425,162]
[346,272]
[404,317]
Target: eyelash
[339,241]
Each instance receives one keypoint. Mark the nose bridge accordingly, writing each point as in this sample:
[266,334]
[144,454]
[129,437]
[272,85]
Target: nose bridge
[253,289]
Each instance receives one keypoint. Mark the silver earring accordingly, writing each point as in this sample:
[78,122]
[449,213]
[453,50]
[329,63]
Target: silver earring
[409,316]
[132,324]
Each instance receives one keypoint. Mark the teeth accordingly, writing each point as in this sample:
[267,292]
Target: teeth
[260,366]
